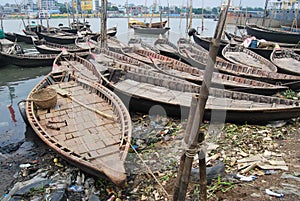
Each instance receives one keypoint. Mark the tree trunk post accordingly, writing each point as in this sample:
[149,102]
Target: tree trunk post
[103,41]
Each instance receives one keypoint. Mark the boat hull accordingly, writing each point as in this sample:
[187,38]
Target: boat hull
[276,36]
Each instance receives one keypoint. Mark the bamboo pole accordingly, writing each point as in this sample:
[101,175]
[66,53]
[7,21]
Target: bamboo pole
[202,17]
[198,118]
[191,15]
[186,17]
[192,111]
[103,41]
[67,8]
[2,22]
[77,16]
[265,13]
[168,15]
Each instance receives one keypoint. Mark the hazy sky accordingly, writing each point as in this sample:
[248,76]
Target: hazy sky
[196,3]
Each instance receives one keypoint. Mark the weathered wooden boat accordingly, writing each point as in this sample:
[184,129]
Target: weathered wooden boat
[88,125]
[45,47]
[114,44]
[112,31]
[286,60]
[150,30]
[133,22]
[26,60]
[25,38]
[134,53]
[5,44]
[59,37]
[139,44]
[198,58]
[238,54]
[104,55]
[80,25]
[184,71]
[10,36]
[143,90]
[167,48]
[272,34]
[265,48]
[204,41]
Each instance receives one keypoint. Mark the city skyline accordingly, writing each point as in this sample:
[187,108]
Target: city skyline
[179,3]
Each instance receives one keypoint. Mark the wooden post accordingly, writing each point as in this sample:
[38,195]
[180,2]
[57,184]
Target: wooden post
[67,7]
[103,41]
[198,118]
[2,22]
[77,20]
[202,27]
[192,111]
[191,15]
[265,13]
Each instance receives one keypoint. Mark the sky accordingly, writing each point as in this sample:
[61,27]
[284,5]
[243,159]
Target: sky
[196,3]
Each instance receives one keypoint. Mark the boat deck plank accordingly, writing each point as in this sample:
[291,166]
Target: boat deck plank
[246,59]
[87,138]
[293,64]
[163,94]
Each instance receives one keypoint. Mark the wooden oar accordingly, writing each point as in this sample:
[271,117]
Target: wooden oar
[67,94]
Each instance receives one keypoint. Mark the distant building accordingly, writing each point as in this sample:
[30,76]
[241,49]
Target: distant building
[47,4]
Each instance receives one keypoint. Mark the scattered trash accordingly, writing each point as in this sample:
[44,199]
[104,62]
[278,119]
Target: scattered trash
[269,192]
[27,165]
[270,172]
[256,195]
[244,178]
[75,188]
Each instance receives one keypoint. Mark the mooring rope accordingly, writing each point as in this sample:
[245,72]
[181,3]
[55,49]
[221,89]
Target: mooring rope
[150,171]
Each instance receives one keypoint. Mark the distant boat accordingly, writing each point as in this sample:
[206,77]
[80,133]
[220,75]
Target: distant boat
[133,22]
[150,30]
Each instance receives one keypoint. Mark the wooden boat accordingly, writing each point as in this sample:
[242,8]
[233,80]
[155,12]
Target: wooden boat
[184,71]
[45,47]
[167,48]
[272,34]
[150,30]
[26,60]
[204,41]
[89,125]
[25,38]
[145,89]
[198,58]
[112,31]
[59,37]
[286,60]
[265,48]
[139,44]
[133,22]
[10,36]
[238,54]
[104,55]
[114,44]
[136,54]
[5,44]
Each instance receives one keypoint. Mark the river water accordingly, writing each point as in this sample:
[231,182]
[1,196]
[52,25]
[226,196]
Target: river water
[16,82]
